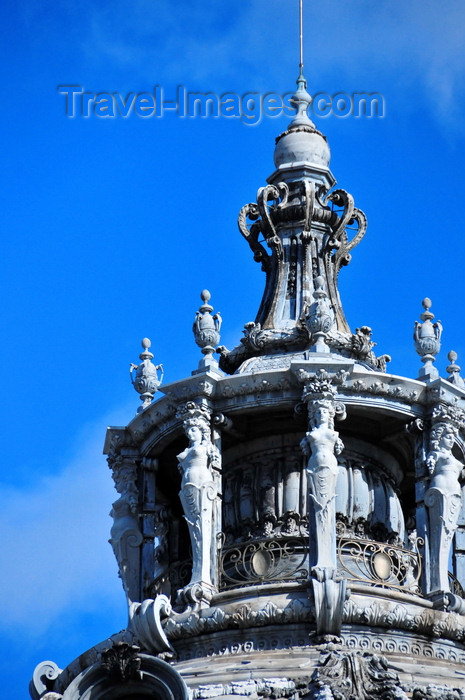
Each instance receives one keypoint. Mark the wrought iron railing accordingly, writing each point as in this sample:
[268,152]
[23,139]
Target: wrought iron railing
[270,560]
[264,561]
[170,581]
[379,564]
[455,586]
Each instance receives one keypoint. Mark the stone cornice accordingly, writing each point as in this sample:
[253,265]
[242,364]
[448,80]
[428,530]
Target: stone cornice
[405,397]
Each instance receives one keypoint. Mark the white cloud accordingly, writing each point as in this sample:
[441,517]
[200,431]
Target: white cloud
[410,45]
[55,542]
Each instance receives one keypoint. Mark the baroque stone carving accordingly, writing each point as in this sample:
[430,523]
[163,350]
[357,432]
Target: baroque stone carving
[321,445]
[206,331]
[319,317]
[198,492]
[405,645]
[122,662]
[394,389]
[126,536]
[453,371]
[43,679]
[353,675]
[123,672]
[443,500]
[144,377]
[431,623]
[252,640]
[193,389]
[437,692]
[316,249]
[269,688]
[427,337]
[145,621]
[215,619]
[259,340]
[357,345]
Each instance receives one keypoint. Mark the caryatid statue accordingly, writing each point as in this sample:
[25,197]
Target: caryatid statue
[126,537]
[197,494]
[443,499]
[321,445]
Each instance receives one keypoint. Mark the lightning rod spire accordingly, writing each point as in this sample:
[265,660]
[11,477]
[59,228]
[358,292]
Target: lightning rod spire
[301,99]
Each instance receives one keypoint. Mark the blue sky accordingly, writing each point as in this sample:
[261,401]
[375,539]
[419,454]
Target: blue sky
[112,227]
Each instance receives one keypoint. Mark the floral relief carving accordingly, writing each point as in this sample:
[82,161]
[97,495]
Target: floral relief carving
[177,627]
[122,662]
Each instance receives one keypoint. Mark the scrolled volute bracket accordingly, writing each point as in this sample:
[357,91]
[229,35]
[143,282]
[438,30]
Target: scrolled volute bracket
[43,679]
[145,620]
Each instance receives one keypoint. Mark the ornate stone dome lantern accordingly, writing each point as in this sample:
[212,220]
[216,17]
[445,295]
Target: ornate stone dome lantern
[285,528]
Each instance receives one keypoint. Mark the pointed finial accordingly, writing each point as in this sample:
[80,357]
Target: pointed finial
[205,296]
[427,337]
[454,371]
[427,304]
[206,331]
[301,100]
[146,344]
[144,377]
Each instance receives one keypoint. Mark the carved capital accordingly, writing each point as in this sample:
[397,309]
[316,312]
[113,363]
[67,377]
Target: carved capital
[122,662]
[124,474]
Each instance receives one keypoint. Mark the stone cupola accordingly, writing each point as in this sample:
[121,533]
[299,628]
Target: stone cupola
[301,230]
[290,523]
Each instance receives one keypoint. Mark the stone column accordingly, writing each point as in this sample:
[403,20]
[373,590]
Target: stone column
[217,519]
[149,513]
[458,558]
[421,446]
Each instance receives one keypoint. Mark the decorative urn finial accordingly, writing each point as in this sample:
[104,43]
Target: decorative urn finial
[454,371]
[144,377]
[427,337]
[206,331]
[320,317]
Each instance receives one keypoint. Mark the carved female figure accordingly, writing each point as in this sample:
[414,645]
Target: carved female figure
[443,500]
[321,445]
[126,537]
[197,495]
[194,459]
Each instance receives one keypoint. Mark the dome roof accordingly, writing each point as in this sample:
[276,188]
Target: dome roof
[302,143]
